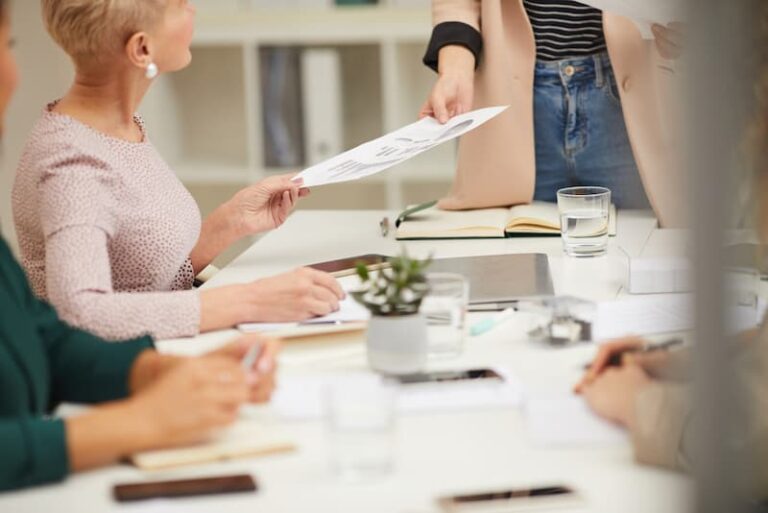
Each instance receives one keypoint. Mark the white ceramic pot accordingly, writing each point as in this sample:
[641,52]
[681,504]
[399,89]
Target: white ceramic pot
[397,344]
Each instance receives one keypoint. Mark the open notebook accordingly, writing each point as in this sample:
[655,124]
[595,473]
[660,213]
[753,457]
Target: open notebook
[538,218]
[244,440]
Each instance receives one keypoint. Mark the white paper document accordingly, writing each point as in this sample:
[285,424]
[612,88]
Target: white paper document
[301,398]
[349,311]
[394,148]
[567,421]
[643,315]
[643,12]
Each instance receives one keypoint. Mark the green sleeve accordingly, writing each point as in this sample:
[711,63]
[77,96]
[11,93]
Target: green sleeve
[83,368]
[86,369]
[34,451]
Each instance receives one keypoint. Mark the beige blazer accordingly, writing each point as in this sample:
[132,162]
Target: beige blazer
[664,435]
[496,164]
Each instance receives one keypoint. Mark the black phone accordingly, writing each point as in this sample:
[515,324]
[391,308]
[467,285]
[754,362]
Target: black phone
[184,488]
[347,266]
[449,376]
[512,500]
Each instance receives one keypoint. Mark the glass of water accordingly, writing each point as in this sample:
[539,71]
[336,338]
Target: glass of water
[445,308]
[361,415]
[584,213]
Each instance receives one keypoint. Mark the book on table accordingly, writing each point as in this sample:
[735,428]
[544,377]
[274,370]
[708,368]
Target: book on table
[535,219]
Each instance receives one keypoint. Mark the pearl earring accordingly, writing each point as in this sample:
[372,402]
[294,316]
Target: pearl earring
[152,70]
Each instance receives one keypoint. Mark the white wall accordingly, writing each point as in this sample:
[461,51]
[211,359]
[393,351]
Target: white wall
[45,75]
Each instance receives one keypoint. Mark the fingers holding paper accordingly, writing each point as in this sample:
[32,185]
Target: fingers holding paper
[267,204]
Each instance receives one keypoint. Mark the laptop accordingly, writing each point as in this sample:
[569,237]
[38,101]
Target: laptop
[499,281]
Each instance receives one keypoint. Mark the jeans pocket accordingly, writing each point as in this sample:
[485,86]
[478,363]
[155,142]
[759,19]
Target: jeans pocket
[611,88]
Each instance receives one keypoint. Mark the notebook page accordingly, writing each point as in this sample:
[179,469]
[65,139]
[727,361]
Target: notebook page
[434,222]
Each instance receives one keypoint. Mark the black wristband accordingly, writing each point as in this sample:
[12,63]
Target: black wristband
[453,33]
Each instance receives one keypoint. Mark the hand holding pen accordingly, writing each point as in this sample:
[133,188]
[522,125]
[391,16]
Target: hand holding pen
[637,351]
[258,359]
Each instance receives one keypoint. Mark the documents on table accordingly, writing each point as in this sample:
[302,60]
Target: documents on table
[567,420]
[394,148]
[244,439]
[643,315]
[643,12]
[301,398]
[665,313]
[351,316]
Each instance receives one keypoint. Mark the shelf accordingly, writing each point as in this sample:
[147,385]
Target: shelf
[348,25]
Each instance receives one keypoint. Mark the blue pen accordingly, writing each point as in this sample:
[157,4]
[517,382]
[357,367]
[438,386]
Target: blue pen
[488,324]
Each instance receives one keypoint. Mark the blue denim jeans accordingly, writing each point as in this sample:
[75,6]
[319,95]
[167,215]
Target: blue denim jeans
[581,138]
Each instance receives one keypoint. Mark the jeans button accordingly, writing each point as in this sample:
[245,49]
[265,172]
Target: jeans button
[569,71]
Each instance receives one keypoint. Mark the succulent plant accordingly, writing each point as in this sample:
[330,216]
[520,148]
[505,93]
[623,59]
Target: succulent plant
[398,289]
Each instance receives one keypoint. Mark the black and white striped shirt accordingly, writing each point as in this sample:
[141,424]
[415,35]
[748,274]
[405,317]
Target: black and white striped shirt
[565,28]
[562,28]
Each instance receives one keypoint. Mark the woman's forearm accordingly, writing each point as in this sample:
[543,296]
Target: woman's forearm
[223,307]
[107,434]
[217,234]
[456,59]
[149,366]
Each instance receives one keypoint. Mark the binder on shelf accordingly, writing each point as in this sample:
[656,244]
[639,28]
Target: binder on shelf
[322,102]
[281,107]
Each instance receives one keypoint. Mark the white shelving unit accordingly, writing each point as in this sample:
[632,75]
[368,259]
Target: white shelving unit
[207,119]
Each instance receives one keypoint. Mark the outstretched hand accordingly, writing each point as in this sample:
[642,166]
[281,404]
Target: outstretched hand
[266,205]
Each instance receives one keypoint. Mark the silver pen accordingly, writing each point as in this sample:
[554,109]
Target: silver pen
[251,357]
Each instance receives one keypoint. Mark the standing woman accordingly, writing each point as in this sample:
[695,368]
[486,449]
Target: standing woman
[590,103]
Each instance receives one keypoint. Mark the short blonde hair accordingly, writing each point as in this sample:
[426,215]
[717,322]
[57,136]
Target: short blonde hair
[87,29]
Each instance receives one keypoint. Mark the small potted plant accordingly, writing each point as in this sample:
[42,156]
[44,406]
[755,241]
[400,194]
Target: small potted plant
[397,332]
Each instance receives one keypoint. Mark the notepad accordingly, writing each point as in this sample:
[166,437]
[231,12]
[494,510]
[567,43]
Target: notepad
[244,440]
[566,420]
[300,398]
[537,218]
[643,315]
[351,316]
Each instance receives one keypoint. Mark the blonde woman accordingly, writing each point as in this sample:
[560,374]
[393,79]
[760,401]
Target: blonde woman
[107,232]
[142,400]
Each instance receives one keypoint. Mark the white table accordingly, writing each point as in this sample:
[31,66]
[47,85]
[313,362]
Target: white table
[436,453]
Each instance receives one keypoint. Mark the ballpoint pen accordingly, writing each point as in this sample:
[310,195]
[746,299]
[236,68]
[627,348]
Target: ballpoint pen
[616,358]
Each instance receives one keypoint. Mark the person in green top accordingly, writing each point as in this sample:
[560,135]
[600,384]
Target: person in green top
[143,400]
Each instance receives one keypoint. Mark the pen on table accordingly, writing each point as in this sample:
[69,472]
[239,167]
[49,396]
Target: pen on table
[615,359]
[487,325]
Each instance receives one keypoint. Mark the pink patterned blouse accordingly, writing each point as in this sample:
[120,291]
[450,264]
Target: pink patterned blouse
[105,230]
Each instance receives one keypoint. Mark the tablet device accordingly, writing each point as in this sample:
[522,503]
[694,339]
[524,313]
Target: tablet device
[347,266]
[499,279]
